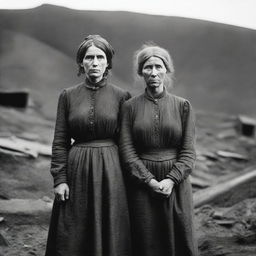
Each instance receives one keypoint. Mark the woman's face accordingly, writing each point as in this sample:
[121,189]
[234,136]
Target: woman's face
[154,72]
[94,63]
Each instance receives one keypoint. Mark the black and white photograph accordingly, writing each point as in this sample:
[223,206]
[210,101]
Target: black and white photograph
[128,128]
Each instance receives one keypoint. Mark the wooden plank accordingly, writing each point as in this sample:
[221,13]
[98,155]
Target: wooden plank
[13,144]
[30,148]
[234,155]
[24,206]
[13,153]
[42,149]
[205,196]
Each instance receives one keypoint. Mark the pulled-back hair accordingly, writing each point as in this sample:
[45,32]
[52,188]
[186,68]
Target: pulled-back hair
[151,49]
[98,42]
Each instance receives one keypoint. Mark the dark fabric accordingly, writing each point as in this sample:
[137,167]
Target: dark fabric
[157,140]
[94,221]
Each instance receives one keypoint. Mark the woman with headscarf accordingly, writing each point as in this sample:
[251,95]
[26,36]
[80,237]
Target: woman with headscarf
[90,212]
[158,149]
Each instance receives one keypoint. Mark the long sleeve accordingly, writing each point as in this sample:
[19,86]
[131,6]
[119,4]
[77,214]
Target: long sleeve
[125,97]
[187,155]
[61,143]
[132,162]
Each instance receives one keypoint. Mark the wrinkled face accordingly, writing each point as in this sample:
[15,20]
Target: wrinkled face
[154,72]
[94,63]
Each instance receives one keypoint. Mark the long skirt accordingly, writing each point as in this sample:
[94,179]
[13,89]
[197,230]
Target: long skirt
[94,221]
[162,226]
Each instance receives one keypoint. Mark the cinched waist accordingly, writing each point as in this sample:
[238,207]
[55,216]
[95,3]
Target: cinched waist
[95,143]
[159,155]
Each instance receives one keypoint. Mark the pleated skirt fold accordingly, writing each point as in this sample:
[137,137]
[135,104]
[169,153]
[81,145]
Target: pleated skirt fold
[95,220]
[162,226]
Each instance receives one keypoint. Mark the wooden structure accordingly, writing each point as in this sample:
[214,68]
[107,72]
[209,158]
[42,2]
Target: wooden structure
[246,126]
[208,195]
[18,99]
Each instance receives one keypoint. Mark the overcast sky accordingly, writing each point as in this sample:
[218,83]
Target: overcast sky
[235,12]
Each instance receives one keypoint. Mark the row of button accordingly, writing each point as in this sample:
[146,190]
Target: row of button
[92,112]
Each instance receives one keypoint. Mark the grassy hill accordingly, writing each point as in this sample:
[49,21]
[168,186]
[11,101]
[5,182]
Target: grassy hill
[214,62]
[28,63]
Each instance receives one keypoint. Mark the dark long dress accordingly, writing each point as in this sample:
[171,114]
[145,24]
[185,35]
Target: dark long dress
[157,141]
[94,221]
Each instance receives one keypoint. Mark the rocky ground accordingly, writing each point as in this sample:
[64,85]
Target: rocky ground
[225,226]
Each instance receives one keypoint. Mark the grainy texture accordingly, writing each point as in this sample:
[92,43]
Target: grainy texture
[94,221]
[157,140]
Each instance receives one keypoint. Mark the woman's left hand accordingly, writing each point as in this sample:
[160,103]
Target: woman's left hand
[166,187]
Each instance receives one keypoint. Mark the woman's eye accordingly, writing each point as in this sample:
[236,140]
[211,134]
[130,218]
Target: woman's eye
[147,68]
[88,57]
[158,66]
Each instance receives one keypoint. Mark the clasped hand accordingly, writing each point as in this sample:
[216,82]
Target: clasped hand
[163,187]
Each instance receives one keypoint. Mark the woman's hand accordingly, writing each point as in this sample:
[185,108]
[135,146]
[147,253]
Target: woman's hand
[166,187]
[154,185]
[61,192]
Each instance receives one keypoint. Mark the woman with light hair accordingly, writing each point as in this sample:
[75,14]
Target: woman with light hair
[158,150]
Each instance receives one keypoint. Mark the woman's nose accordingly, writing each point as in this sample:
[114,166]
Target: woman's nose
[95,61]
[153,72]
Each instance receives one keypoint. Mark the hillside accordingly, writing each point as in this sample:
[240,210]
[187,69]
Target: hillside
[214,69]
[214,62]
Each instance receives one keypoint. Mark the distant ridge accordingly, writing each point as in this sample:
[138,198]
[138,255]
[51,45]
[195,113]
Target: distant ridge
[215,63]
